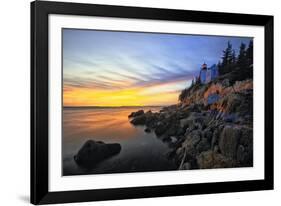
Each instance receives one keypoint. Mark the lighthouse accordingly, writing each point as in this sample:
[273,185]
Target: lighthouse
[208,74]
[203,73]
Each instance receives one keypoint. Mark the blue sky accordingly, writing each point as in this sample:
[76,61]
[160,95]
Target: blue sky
[115,61]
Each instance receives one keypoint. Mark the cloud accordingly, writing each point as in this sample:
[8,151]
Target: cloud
[76,82]
[111,80]
[134,66]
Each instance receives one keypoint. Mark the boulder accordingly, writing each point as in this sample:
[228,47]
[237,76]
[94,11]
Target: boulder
[148,112]
[192,139]
[179,152]
[225,83]
[194,121]
[213,98]
[93,152]
[147,130]
[151,119]
[245,148]
[230,118]
[246,137]
[161,128]
[173,139]
[208,134]
[210,159]
[189,145]
[244,156]
[216,149]
[184,123]
[173,129]
[137,113]
[229,140]
[180,131]
[139,120]
[203,145]
[215,138]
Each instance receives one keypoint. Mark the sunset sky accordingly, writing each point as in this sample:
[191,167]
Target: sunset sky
[103,68]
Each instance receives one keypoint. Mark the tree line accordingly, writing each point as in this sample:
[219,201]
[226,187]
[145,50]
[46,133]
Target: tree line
[230,60]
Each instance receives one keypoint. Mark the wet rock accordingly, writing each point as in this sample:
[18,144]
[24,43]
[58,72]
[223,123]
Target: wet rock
[173,139]
[161,128]
[151,119]
[147,130]
[148,112]
[139,120]
[137,113]
[166,139]
[93,152]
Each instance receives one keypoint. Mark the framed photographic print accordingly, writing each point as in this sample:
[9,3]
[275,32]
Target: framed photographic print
[131,102]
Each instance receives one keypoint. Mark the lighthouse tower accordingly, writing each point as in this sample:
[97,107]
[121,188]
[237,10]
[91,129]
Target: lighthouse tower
[203,73]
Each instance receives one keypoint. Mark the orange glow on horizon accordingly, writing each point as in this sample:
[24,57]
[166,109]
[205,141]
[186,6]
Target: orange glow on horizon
[137,96]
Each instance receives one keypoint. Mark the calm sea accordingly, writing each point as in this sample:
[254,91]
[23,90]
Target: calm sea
[140,151]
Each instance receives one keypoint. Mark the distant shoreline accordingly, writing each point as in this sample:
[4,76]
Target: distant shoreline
[109,107]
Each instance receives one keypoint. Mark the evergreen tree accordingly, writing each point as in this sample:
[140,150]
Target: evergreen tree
[233,57]
[227,54]
[242,59]
[228,59]
[249,53]
[219,66]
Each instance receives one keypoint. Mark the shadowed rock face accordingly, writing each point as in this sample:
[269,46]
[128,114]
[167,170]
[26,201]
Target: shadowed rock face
[93,152]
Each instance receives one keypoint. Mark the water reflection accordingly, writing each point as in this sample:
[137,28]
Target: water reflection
[140,151]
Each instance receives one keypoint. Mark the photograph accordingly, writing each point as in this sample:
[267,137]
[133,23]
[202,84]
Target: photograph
[139,101]
[150,102]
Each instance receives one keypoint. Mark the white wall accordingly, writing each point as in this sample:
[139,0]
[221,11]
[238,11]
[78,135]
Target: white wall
[14,103]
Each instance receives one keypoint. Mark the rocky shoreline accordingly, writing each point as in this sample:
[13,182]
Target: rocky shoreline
[211,127]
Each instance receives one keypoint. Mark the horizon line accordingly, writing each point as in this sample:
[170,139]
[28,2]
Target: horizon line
[116,106]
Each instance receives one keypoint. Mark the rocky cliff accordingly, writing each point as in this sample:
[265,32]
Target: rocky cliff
[212,125]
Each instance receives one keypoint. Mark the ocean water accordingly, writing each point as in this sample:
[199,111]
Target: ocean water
[140,151]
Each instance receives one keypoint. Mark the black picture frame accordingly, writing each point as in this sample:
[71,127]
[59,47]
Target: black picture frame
[39,102]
